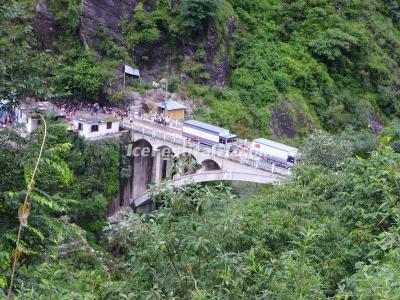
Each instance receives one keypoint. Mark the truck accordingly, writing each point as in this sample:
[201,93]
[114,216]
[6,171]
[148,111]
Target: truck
[207,134]
[273,152]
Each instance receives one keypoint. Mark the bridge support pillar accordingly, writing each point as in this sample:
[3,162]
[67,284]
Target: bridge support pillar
[157,166]
[168,168]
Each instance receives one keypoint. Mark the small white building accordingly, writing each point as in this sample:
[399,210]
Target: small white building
[25,114]
[95,126]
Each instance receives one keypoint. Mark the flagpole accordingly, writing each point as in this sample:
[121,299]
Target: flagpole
[166,96]
[124,82]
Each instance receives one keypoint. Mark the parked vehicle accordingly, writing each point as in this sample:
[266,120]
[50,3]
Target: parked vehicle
[273,152]
[207,134]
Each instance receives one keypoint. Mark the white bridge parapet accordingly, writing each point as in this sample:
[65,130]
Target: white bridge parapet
[232,166]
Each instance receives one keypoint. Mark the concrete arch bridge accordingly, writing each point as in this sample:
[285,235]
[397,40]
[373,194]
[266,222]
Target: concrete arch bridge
[157,155]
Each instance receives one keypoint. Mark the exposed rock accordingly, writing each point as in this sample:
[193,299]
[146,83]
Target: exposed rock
[44,25]
[375,123]
[287,119]
[106,13]
[153,97]
[133,97]
[156,96]
[217,62]
[154,59]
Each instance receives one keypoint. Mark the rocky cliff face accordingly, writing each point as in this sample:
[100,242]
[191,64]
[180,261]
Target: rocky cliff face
[217,62]
[106,13]
[287,119]
[110,13]
[44,25]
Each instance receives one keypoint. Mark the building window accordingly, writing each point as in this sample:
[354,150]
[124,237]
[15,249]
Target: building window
[94,128]
[80,126]
[109,125]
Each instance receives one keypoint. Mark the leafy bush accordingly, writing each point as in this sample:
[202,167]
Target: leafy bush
[84,79]
[325,150]
[197,15]
[142,30]
[66,14]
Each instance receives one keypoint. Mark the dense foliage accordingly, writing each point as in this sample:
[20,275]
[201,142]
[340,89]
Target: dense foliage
[331,232]
[74,178]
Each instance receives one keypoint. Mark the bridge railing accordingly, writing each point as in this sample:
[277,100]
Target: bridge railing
[213,151]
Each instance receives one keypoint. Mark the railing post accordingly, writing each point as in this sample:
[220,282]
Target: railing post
[198,146]
[256,166]
[143,130]
[272,168]
[174,139]
[184,142]
[241,159]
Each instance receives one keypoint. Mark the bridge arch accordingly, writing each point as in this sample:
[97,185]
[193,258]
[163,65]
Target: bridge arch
[210,165]
[142,163]
[211,176]
[168,160]
[188,163]
[143,143]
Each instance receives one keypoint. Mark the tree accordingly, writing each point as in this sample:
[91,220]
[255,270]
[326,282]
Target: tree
[84,79]
[197,15]
[325,150]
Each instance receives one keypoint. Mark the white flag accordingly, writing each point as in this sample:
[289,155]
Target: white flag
[131,71]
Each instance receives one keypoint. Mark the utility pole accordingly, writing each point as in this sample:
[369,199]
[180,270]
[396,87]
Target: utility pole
[124,80]
[166,96]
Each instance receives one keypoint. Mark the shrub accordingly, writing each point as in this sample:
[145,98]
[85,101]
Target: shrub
[197,15]
[84,78]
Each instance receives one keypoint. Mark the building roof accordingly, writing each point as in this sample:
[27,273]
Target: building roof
[171,105]
[95,119]
[275,145]
[46,108]
[206,126]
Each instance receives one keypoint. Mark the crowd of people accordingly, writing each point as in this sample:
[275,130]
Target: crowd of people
[72,108]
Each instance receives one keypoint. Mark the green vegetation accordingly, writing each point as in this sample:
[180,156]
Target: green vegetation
[143,28]
[331,232]
[337,61]
[76,179]
[198,14]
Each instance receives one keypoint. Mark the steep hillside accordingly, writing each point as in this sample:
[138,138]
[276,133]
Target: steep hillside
[261,67]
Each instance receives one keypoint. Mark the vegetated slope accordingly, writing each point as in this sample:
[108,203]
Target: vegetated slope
[286,67]
[333,231]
